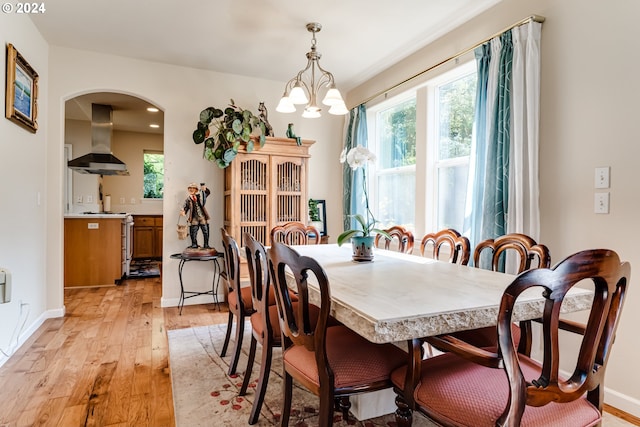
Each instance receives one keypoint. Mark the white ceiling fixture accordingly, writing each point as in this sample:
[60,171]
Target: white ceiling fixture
[305,89]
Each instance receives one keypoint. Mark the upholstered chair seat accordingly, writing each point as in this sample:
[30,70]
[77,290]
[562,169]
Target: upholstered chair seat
[353,359]
[468,394]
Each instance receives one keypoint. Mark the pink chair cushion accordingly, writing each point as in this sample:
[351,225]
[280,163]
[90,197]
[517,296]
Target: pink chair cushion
[258,325]
[245,294]
[354,360]
[459,392]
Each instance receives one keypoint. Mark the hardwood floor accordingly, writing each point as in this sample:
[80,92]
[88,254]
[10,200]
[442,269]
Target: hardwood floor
[106,363]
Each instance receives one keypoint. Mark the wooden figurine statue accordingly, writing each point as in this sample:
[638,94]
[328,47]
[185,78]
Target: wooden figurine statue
[197,215]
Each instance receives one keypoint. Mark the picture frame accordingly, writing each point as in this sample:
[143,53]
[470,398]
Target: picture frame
[21,92]
[322,214]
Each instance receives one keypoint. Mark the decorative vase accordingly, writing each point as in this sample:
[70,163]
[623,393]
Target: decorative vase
[362,248]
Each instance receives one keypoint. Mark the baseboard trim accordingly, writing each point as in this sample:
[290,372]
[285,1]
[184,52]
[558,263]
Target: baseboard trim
[198,299]
[622,406]
[31,329]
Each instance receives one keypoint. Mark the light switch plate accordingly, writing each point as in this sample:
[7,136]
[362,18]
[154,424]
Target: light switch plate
[601,203]
[602,177]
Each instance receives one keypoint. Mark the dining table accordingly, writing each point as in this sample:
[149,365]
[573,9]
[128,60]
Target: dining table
[398,297]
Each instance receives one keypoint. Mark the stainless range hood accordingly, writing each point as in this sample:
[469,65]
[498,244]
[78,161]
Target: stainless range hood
[100,161]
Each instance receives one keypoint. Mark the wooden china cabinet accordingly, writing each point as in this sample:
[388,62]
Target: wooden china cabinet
[266,187]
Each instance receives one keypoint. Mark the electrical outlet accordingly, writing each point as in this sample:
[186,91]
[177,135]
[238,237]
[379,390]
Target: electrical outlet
[602,177]
[122,200]
[78,199]
[89,199]
[133,200]
[601,203]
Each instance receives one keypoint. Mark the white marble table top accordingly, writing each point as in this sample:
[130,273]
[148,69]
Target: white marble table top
[399,297]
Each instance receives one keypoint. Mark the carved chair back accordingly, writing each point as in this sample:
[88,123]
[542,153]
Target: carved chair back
[447,242]
[295,233]
[401,239]
[523,246]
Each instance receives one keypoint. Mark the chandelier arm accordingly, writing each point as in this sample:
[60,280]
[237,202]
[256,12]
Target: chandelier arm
[324,80]
[325,73]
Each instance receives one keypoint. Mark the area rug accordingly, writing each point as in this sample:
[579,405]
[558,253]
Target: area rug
[204,395]
[144,268]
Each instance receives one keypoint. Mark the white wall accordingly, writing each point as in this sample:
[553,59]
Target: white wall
[589,111]
[181,93]
[23,192]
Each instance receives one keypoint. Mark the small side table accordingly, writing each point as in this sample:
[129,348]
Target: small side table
[183,257]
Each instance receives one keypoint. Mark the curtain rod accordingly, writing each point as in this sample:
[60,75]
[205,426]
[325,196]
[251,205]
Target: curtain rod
[534,18]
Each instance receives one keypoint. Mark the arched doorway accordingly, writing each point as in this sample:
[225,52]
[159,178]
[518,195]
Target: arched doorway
[137,128]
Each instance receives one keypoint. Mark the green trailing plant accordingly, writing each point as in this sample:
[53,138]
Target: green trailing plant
[314,211]
[232,128]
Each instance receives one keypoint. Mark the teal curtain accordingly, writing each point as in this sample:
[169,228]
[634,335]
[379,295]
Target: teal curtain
[487,200]
[474,209]
[352,197]
[497,177]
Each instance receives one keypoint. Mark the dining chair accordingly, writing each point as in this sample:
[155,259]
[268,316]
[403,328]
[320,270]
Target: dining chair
[333,362]
[401,240]
[264,322]
[295,233]
[238,298]
[470,386]
[491,254]
[524,247]
[446,243]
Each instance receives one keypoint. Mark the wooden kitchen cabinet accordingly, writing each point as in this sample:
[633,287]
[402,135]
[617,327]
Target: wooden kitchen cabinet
[266,187]
[147,236]
[92,251]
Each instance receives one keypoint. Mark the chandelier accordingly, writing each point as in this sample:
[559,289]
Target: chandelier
[304,89]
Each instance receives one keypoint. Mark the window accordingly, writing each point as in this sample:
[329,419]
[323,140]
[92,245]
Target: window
[454,101]
[395,170]
[153,175]
[428,129]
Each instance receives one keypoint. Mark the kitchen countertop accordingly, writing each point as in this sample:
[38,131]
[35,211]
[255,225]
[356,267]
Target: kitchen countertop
[100,215]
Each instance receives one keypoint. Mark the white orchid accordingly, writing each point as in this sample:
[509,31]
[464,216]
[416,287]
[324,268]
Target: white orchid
[356,158]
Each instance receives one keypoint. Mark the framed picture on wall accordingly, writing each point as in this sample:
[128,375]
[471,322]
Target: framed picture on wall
[318,215]
[21,93]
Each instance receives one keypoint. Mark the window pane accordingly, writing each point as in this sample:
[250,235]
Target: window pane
[452,188]
[397,135]
[455,115]
[395,177]
[153,175]
[395,198]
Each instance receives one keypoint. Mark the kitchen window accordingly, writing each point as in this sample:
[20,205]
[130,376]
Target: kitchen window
[153,175]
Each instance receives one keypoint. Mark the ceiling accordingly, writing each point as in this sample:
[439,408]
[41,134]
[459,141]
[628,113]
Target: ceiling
[265,39]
